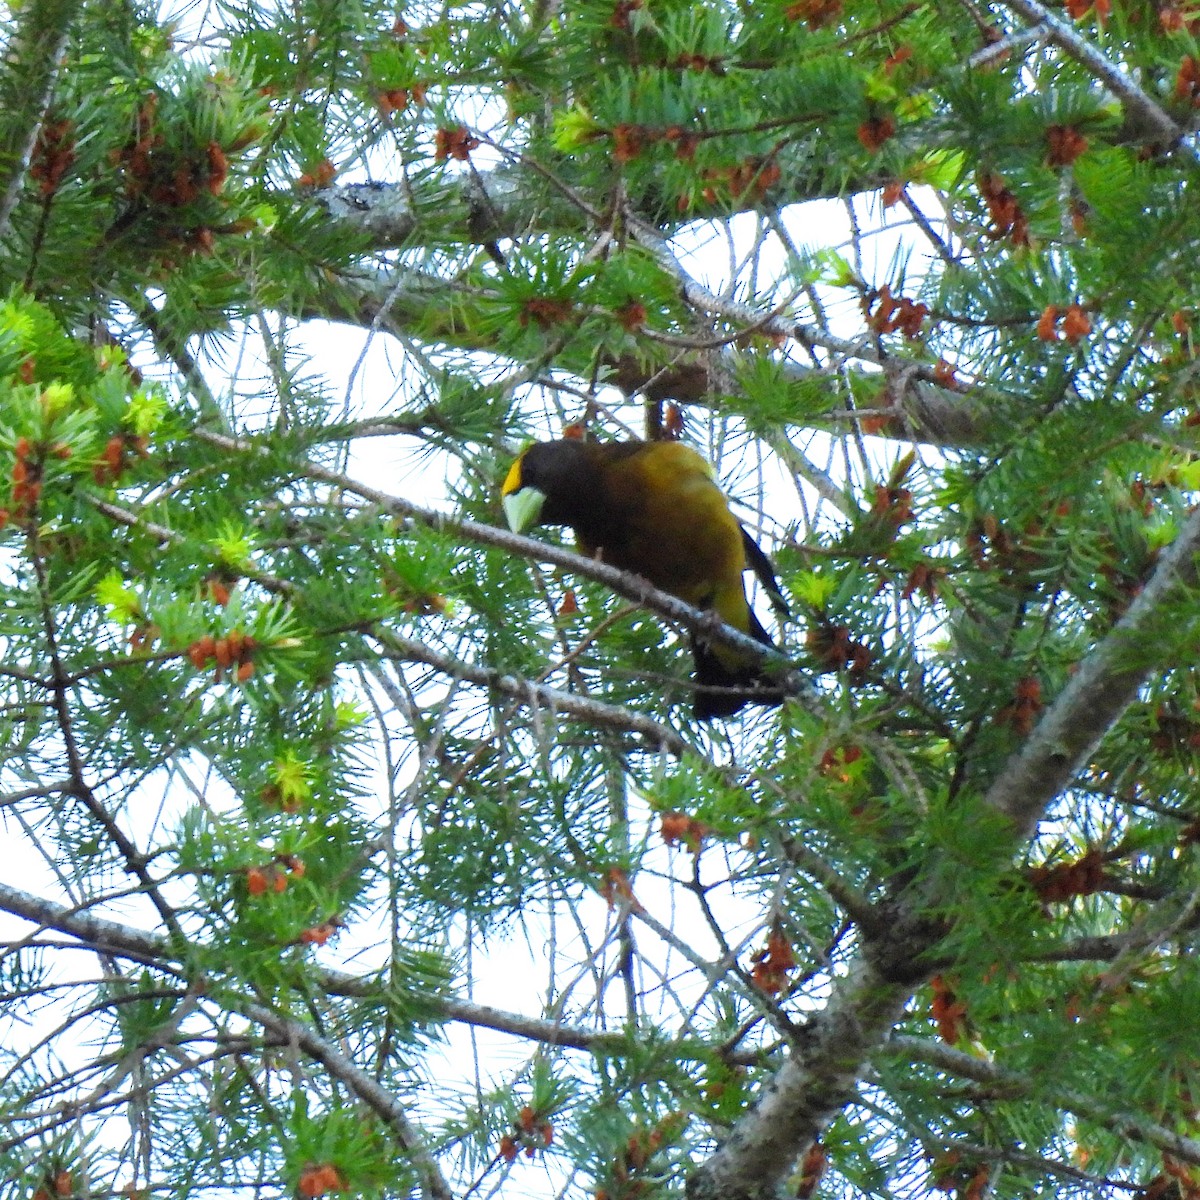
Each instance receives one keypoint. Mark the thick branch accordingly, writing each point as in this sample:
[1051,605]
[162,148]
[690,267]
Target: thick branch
[411,303]
[820,1076]
[99,934]
[815,1082]
[470,207]
[1098,693]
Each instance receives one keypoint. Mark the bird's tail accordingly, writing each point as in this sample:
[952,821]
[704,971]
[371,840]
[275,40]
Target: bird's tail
[725,682]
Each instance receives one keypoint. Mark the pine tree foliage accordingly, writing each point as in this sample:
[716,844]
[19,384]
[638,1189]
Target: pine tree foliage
[356,845]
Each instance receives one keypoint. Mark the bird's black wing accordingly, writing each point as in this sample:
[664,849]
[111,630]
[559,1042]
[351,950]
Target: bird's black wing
[764,572]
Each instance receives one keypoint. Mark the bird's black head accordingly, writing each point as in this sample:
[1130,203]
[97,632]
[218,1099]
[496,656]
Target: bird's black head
[552,483]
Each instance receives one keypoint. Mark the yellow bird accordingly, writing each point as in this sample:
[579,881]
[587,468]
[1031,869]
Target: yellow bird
[654,508]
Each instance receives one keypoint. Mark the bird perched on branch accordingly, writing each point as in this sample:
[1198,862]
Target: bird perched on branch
[654,508]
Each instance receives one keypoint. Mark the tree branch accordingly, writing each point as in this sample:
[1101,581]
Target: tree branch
[982,1070]
[820,1076]
[373,1094]
[624,583]
[595,712]
[98,934]
[817,1079]
[27,86]
[923,410]
[1143,114]
[1098,693]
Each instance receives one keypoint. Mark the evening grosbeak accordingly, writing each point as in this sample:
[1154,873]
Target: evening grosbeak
[654,508]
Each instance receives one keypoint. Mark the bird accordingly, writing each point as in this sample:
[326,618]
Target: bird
[656,509]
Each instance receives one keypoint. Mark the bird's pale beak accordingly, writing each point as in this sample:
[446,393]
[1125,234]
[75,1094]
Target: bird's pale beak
[523,508]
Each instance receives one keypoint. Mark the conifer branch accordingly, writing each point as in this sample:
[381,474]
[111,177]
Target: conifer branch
[105,936]
[1105,684]
[526,691]
[434,1185]
[624,583]
[98,933]
[999,50]
[818,1078]
[920,408]
[1144,112]
[985,1071]
[31,65]
[59,686]
[820,1075]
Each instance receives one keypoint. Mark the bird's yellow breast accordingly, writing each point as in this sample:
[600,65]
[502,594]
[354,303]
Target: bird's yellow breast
[680,533]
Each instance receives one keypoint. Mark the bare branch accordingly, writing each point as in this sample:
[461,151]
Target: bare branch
[100,934]
[595,712]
